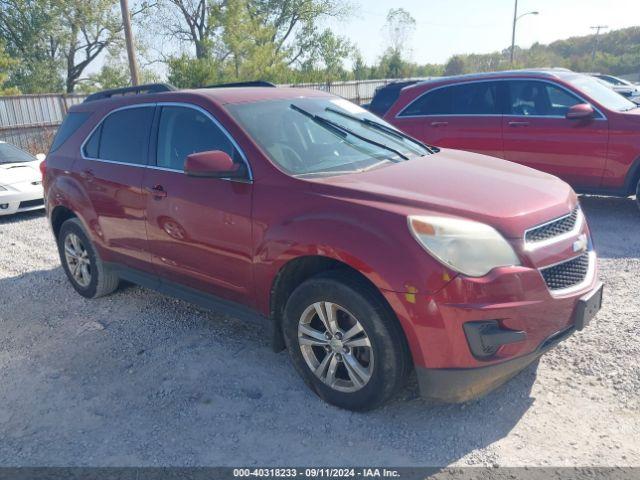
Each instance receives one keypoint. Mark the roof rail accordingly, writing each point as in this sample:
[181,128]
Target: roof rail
[137,90]
[252,83]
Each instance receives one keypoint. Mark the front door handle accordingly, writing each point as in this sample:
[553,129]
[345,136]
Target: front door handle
[439,124]
[518,124]
[157,191]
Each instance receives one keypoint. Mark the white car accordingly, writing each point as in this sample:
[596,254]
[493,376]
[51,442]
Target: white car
[622,86]
[20,180]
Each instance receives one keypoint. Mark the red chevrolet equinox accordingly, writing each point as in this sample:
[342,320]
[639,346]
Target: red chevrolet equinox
[366,253]
[554,120]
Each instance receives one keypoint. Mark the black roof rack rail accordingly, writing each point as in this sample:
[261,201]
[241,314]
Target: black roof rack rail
[252,83]
[137,90]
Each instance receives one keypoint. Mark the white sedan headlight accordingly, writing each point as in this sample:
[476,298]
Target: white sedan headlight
[2,189]
[469,247]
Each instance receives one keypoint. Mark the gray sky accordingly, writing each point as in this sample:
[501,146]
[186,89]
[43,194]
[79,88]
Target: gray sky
[447,27]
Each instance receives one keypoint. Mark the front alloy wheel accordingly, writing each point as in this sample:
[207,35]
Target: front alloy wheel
[345,341]
[335,346]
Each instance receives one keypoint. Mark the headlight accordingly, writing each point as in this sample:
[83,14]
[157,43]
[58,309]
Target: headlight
[471,248]
[2,189]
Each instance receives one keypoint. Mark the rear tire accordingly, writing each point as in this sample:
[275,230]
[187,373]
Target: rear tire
[84,268]
[355,371]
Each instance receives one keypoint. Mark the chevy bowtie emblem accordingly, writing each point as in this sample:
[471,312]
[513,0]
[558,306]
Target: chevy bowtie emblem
[580,245]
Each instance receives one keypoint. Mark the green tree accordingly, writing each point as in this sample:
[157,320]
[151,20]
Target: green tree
[30,31]
[6,63]
[249,39]
[399,27]
[56,40]
[195,22]
[360,69]
[455,65]
[87,28]
[187,72]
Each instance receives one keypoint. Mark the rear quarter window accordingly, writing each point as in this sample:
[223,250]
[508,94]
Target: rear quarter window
[476,98]
[70,125]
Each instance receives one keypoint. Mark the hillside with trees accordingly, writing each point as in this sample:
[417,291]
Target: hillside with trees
[618,53]
[58,45]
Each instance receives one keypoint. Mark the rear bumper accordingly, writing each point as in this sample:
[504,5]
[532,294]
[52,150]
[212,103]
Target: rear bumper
[456,385]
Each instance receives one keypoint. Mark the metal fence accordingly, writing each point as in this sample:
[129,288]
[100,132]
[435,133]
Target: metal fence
[30,121]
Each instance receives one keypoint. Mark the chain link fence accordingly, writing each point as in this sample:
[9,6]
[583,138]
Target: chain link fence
[30,121]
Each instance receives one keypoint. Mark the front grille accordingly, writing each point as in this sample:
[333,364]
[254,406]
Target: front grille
[31,203]
[567,274]
[552,229]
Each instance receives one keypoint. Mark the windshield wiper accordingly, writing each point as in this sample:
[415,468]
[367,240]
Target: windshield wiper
[380,126]
[344,172]
[344,131]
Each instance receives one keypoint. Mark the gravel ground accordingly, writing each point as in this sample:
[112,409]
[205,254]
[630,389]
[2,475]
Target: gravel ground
[139,379]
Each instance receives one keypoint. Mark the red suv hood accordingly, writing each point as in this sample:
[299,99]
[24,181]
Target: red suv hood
[506,195]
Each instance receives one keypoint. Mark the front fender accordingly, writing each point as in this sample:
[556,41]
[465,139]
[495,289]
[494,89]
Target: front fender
[374,242]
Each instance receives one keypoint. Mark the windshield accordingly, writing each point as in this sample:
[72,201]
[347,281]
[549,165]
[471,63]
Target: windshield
[11,154]
[324,136]
[601,93]
[614,80]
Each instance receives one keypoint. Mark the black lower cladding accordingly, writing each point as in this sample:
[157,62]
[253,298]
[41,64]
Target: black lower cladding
[456,385]
[487,336]
[567,274]
[39,202]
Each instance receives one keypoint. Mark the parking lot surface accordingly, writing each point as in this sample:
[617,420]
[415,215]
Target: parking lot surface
[137,379]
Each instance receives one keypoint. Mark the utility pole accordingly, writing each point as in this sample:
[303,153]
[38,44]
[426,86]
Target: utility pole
[517,17]
[513,31]
[597,28]
[128,35]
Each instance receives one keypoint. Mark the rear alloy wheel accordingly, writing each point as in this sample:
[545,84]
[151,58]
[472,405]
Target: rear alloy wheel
[85,270]
[77,259]
[345,341]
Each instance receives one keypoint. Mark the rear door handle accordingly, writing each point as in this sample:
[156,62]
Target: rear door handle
[88,174]
[439,124]
[157,191]
[518,124]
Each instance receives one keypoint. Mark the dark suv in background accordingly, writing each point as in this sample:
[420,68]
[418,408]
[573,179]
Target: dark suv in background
[553,120]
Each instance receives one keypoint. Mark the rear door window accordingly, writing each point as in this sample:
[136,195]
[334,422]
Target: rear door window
[478,98]
[436,102]
[123,136]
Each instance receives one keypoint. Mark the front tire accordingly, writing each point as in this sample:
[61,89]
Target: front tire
[84,268]
[345,341]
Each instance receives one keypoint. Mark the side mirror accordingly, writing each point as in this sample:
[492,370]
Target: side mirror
[40,157]
[212,164]
[580,112]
